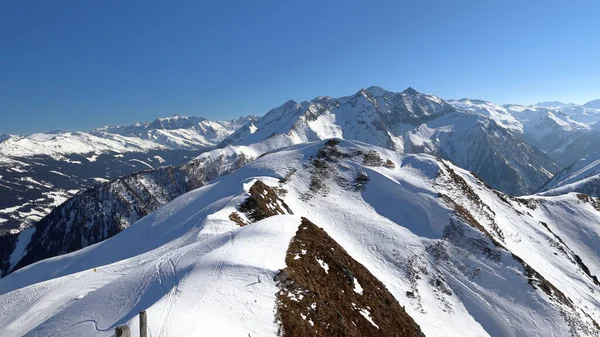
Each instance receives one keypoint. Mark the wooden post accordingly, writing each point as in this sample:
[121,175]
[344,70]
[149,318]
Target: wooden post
[123,331]
[143,324]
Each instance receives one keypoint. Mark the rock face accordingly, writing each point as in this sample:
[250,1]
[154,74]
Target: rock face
[322,283]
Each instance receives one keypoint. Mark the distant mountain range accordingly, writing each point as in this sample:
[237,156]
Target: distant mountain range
[566,133]
[595,104]
[176,132]
[40,171]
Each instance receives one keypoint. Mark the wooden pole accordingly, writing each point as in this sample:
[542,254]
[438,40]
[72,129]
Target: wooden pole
[123,331]
[143,324]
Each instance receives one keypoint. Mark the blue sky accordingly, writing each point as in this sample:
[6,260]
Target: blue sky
[76,65]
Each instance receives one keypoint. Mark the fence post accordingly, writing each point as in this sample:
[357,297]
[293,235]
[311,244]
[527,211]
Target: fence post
[143,324]
[123,331]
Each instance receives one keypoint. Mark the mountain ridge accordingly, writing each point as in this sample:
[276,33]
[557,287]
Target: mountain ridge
[443,244]
[583,176]
[388,119]
[104,210]
[40,171]
[564,134]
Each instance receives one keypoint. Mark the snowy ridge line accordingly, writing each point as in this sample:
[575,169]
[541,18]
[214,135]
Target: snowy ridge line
[177,132]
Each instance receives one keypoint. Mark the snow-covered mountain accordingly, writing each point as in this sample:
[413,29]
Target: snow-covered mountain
[104,210]
[588,113]
[595,104]
[552,104]
[410,245]
[372,115]
[496,112]
[40,171]
[412,122]
[571,135]
[178,132]
[554,130]
[550,130]
[583,176]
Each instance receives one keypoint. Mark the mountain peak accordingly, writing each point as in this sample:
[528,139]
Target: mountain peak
[376,91]
[410,91]
[289,103]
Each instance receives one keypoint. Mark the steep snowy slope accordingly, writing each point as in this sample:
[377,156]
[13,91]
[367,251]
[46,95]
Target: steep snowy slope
[582,176]
[482,146]
[40,171]
[403,122]
[463,260]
